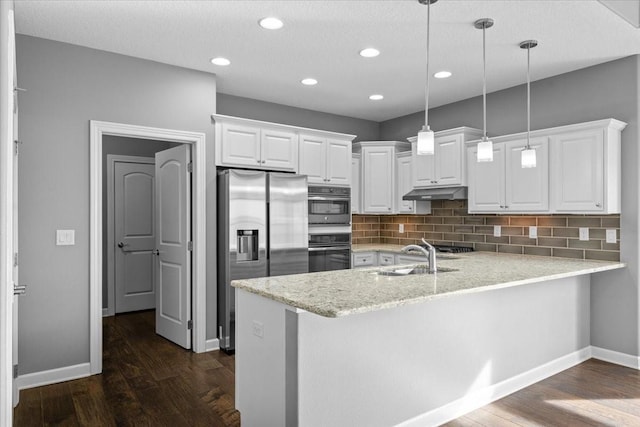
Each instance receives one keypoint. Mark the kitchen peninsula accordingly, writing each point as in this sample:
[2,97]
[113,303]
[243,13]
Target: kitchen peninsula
[354,347]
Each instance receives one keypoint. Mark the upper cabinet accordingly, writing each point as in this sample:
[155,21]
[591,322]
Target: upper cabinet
[577,172]
[378,184]
[325,160]
[447,167]
[355,183]
[324,156]
[502,185]
[404,184]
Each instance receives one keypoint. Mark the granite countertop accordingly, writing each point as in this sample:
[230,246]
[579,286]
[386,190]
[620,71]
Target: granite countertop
[344,292]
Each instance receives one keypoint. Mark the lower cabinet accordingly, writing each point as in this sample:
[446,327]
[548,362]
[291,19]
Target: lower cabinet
[364,259]
[381,259]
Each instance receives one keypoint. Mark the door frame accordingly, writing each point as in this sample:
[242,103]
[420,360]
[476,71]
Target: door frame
[110,310]
[198,305]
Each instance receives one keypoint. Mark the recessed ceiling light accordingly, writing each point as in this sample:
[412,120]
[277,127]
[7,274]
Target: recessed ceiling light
[271,23]
[220,61]
[442,74]
[309,82]
[369,52]
[376,97]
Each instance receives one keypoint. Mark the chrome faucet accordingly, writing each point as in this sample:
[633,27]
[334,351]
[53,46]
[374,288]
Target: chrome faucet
[429,253]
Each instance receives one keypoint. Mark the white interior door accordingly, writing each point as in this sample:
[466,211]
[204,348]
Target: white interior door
[173,241]
[135,240]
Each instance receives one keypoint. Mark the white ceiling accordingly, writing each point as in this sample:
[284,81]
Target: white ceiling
[321,39]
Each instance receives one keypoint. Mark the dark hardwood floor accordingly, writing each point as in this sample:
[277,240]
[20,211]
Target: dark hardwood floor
[148,381]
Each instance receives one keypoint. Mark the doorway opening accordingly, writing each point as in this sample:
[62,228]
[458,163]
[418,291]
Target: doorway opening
[101,135]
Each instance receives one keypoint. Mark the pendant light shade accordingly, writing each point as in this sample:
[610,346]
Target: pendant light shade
[528,155]
[485,147]
[426,138]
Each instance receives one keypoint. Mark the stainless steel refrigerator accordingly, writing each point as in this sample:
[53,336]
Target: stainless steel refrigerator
[262,231]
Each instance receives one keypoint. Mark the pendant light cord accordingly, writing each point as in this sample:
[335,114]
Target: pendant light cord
[528,97]
[484,81]
[426,89]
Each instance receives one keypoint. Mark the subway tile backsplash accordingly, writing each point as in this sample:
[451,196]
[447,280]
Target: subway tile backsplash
[450,224]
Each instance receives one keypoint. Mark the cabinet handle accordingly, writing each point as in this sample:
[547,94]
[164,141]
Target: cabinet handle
[598,205]
[501,207]
[258,161]
[264,161]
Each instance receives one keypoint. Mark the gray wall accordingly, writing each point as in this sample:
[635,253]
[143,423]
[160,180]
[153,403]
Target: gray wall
[68,86]
[230,105]
[124,147]
[602,91]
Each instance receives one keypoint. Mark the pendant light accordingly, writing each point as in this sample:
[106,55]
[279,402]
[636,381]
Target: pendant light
[485,147]
[528,155]
[426,138]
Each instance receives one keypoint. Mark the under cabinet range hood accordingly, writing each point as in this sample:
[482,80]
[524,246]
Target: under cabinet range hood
[446,193]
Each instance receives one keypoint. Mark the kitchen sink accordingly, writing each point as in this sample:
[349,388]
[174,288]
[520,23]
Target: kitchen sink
[420,269]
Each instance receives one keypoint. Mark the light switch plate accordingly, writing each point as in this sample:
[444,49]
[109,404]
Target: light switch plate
[401,228]
[612,236]
[258,329]
[497,231]
[533,232]
[65,237]
[584,233]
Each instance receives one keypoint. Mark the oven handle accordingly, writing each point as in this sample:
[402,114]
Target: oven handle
[332,248]
[321,198]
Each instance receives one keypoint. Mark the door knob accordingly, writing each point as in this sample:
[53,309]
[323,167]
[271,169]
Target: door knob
[156,252]
[122,245]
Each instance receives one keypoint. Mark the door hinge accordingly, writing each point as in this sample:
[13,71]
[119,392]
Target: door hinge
[15,371]
[190,324]
[16,145]
[15,259]
[189,245]
[190,167]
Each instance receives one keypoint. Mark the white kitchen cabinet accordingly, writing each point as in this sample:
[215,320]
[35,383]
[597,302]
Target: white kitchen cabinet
[378,185]
[385,258]
[364,259]
[404,184]
[447,167]
[502,185]
[579,172]
[325,160]
[255,145]
[355,183]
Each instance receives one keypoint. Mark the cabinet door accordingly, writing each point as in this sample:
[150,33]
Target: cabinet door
[240,145]
[386,259]
[313,159]
[377,176]
[578,177]
[355,185]
[338,162]
[527,189]
[404,184]
[486,181]
[363,259]
[279,150]
[448,160]
[424,172]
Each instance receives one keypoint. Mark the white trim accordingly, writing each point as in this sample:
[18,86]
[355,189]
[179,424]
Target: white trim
[111,262]
[53,376]
[616,357]
[479,398]
[212,344]
[197,139]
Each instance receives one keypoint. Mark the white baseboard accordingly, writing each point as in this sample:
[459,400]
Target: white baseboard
[212,344]
[479,398]
[105,312]
[53,376]
[616,357]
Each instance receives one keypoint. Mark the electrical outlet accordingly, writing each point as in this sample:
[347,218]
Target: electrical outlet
[497,231]
[401,228]
[612,236]
[584,233]
[258,329]
[533,232]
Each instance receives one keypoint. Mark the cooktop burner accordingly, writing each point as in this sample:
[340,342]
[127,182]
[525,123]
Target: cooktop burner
[451,249]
